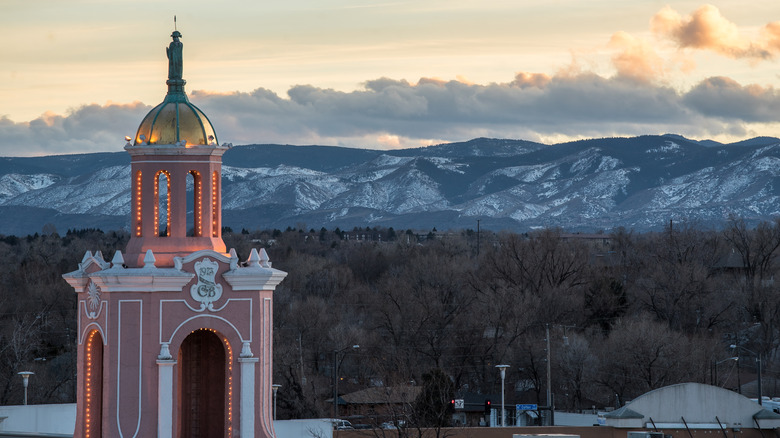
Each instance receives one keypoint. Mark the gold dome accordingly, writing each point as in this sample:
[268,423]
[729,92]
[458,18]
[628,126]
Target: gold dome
[176,120]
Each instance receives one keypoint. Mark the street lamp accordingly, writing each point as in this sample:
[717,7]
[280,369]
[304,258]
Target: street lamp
[25,381]
[550,402]
[502,368]
[714,378]
[275,387]
[758,366]
[336,378]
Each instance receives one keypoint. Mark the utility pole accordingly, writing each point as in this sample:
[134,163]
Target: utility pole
[760,396]
[477,237]
[336,378]
[549,379]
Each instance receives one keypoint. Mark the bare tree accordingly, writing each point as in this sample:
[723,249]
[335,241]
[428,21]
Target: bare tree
[575,364]
[641,354]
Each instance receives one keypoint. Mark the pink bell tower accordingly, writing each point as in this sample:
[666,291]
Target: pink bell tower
[175,336]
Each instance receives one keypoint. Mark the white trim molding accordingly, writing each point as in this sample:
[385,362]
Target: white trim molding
[165,398]
[247,407]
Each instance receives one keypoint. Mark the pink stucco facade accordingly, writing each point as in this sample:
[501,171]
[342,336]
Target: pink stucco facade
[136,313]
[160,219]
[175,334]
[143,315]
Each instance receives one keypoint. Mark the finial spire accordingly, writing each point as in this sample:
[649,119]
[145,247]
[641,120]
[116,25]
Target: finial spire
[174,23]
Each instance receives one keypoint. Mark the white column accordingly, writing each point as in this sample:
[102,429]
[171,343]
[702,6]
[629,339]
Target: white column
[247,400]
[165,398]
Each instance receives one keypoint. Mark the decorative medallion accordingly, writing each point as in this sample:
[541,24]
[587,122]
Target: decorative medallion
[206,291]
[93,300]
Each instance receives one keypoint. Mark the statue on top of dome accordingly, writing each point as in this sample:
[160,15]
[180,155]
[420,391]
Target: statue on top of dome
[174,57]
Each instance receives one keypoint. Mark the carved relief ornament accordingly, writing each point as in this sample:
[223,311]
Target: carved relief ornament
[93,300]
[206,290]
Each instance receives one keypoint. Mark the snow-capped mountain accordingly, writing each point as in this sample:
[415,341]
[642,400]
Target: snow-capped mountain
[639,183]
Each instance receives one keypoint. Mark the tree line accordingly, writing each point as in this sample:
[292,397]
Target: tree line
[626,312]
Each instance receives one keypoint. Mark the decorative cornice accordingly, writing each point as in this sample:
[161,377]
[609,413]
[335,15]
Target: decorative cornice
[178,262]
[256,275]
[77,280]
[173,149]
[255,278]
[141,280]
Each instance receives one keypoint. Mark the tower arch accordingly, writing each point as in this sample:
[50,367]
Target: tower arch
[195,218]
[136,217]
[162,195]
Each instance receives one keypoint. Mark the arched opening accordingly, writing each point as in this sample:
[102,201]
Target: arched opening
[93,385]
[215,205]
[194,204]
[162,193]
[138,196]
[202,382]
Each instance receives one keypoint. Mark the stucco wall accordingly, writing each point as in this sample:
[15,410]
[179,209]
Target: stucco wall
[54,419]
[314,428]
[583,432]
[60,419]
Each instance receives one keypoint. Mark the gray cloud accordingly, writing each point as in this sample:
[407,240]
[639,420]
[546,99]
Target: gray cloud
[395,113]
[89,128]
[726,99]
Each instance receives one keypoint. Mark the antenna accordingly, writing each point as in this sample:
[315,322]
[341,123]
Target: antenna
[174,23]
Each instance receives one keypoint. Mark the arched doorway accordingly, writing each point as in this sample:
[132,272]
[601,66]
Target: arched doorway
[202,381]
[93,385]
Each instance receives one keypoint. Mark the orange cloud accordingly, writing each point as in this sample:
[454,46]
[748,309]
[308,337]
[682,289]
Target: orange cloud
[707,29]
[525,80]
[772,35]
[389,141]
[431,81]
[635,59]
[463,80]
[50,118]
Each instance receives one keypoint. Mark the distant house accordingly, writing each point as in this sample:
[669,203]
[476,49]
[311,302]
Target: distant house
[363,236]
[379,404]
[733,264]
[596,242]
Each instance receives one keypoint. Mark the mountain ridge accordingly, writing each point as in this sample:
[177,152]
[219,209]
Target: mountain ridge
[587,185]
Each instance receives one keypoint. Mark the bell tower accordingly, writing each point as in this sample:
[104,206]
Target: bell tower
[176,165]
[175,336]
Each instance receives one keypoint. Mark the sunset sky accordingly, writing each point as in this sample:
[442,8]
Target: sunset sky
[78,75]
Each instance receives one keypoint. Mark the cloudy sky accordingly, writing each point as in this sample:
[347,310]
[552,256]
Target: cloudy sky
[78,75]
